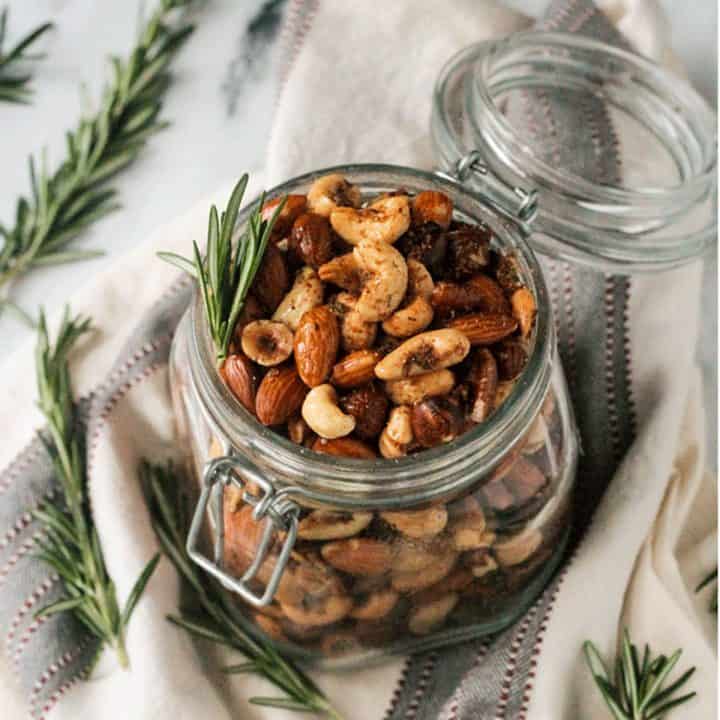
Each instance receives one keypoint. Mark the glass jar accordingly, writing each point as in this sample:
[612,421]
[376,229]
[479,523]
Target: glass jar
[340,560]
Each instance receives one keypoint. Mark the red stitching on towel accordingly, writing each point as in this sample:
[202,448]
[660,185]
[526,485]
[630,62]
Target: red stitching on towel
[23,550]
[398,689]
[62,662]
[35,596]
[455,700]
[293,35]
[562,14]
[21,464]
[24,521]
[627,352]
[25,639]
[425,675]
[568,292]
[580,20]
[610,388]
[62,690]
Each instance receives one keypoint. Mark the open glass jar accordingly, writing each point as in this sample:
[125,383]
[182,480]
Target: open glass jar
[342,560]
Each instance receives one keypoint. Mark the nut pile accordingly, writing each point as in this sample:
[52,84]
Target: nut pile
[378,328]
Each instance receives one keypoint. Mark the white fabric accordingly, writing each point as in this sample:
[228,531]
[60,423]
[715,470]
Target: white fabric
[346,99]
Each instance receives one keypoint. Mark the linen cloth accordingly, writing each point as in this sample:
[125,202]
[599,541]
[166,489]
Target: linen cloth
[637,564]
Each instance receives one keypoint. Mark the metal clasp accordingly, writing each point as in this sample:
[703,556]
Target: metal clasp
[276,508]
[473,162]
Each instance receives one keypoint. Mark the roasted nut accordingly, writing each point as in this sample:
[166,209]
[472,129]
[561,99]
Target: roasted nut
[511,359]
[344,447]
[338,644]
[508,273]
[332,525]
[243,535]
[417,388]
[519,548]
[317,340]
[537,436]
[436,421]
[482,563]
[369,407]
[375,606]
[424,353]
[270,626]
[328,610]
[355,369]
[342,271]
[330,192]
[483,379]
[280,395]
[524,480]
[468,249]
[358,556]
[428,617]
[427,244]
[397,434]
[267,342]
[480,292]
[412,580]
[385,220]
[356,333]
[294,207]
[271,280]
[385,277]
[310,241]
[503,391]
[241,377]
[497,497]
[485,328]
[432,206]
[417,523]
[321,412]
[524,309]
[305,294]
[252,309]
[415,555]
[298,430]
[416,312]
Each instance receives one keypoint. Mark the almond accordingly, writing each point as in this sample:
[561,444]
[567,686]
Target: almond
[369,406]
[272,279]
[483,379]
[485,328]
[242,538]
[418,523]
[344,447]
[310,241]
[358,556]
[241,377]
[317,340]
[355,369]
[432,206]
[294,207]
[524,309]
[280,395]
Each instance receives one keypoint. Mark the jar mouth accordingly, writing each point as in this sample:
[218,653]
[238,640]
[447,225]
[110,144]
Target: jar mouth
[630,226]
[350,482]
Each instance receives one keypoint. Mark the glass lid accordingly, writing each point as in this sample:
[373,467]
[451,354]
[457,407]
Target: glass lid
[618,154]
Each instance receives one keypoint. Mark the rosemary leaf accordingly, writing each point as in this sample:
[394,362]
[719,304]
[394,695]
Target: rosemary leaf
[226,274]
[212,620]
[71,545]
[708,580]
[14,83]
[64,203]
[636,691]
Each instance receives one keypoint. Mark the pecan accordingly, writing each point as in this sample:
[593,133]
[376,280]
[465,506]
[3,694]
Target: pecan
[483,379]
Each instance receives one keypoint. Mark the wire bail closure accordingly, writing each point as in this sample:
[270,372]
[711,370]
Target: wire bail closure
[473,162]
[276,508]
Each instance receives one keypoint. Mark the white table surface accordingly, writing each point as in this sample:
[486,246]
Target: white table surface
[209,143]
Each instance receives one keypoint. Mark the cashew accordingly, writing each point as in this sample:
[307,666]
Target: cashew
[267,342]
[305,294]
[386,277]
[342,271]
[414,389]
[331,525]
[412,580]
[386,220]
[417,313]
[397,434]
[357,334]
[418,523]
[329,192]
[424,353]
[518,548]
[425,618]
[321,412]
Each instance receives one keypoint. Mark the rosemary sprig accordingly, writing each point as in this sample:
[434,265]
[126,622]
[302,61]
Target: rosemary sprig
[213,620]
[64,203]
[711,578]
[225,276]
[635,689]
[14,82]
[71,544]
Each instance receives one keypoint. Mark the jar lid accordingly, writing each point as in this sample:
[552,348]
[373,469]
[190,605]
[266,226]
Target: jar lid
[606,159]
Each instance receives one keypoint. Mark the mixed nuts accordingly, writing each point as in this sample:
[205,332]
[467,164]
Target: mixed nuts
[384,328]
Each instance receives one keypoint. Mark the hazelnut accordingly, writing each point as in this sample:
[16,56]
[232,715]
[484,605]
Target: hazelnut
[272,279]
[266,342]
[310,241]
[369,407]
[436,421]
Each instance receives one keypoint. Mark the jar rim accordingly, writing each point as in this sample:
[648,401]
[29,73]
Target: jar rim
[385,482]
[588,222]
